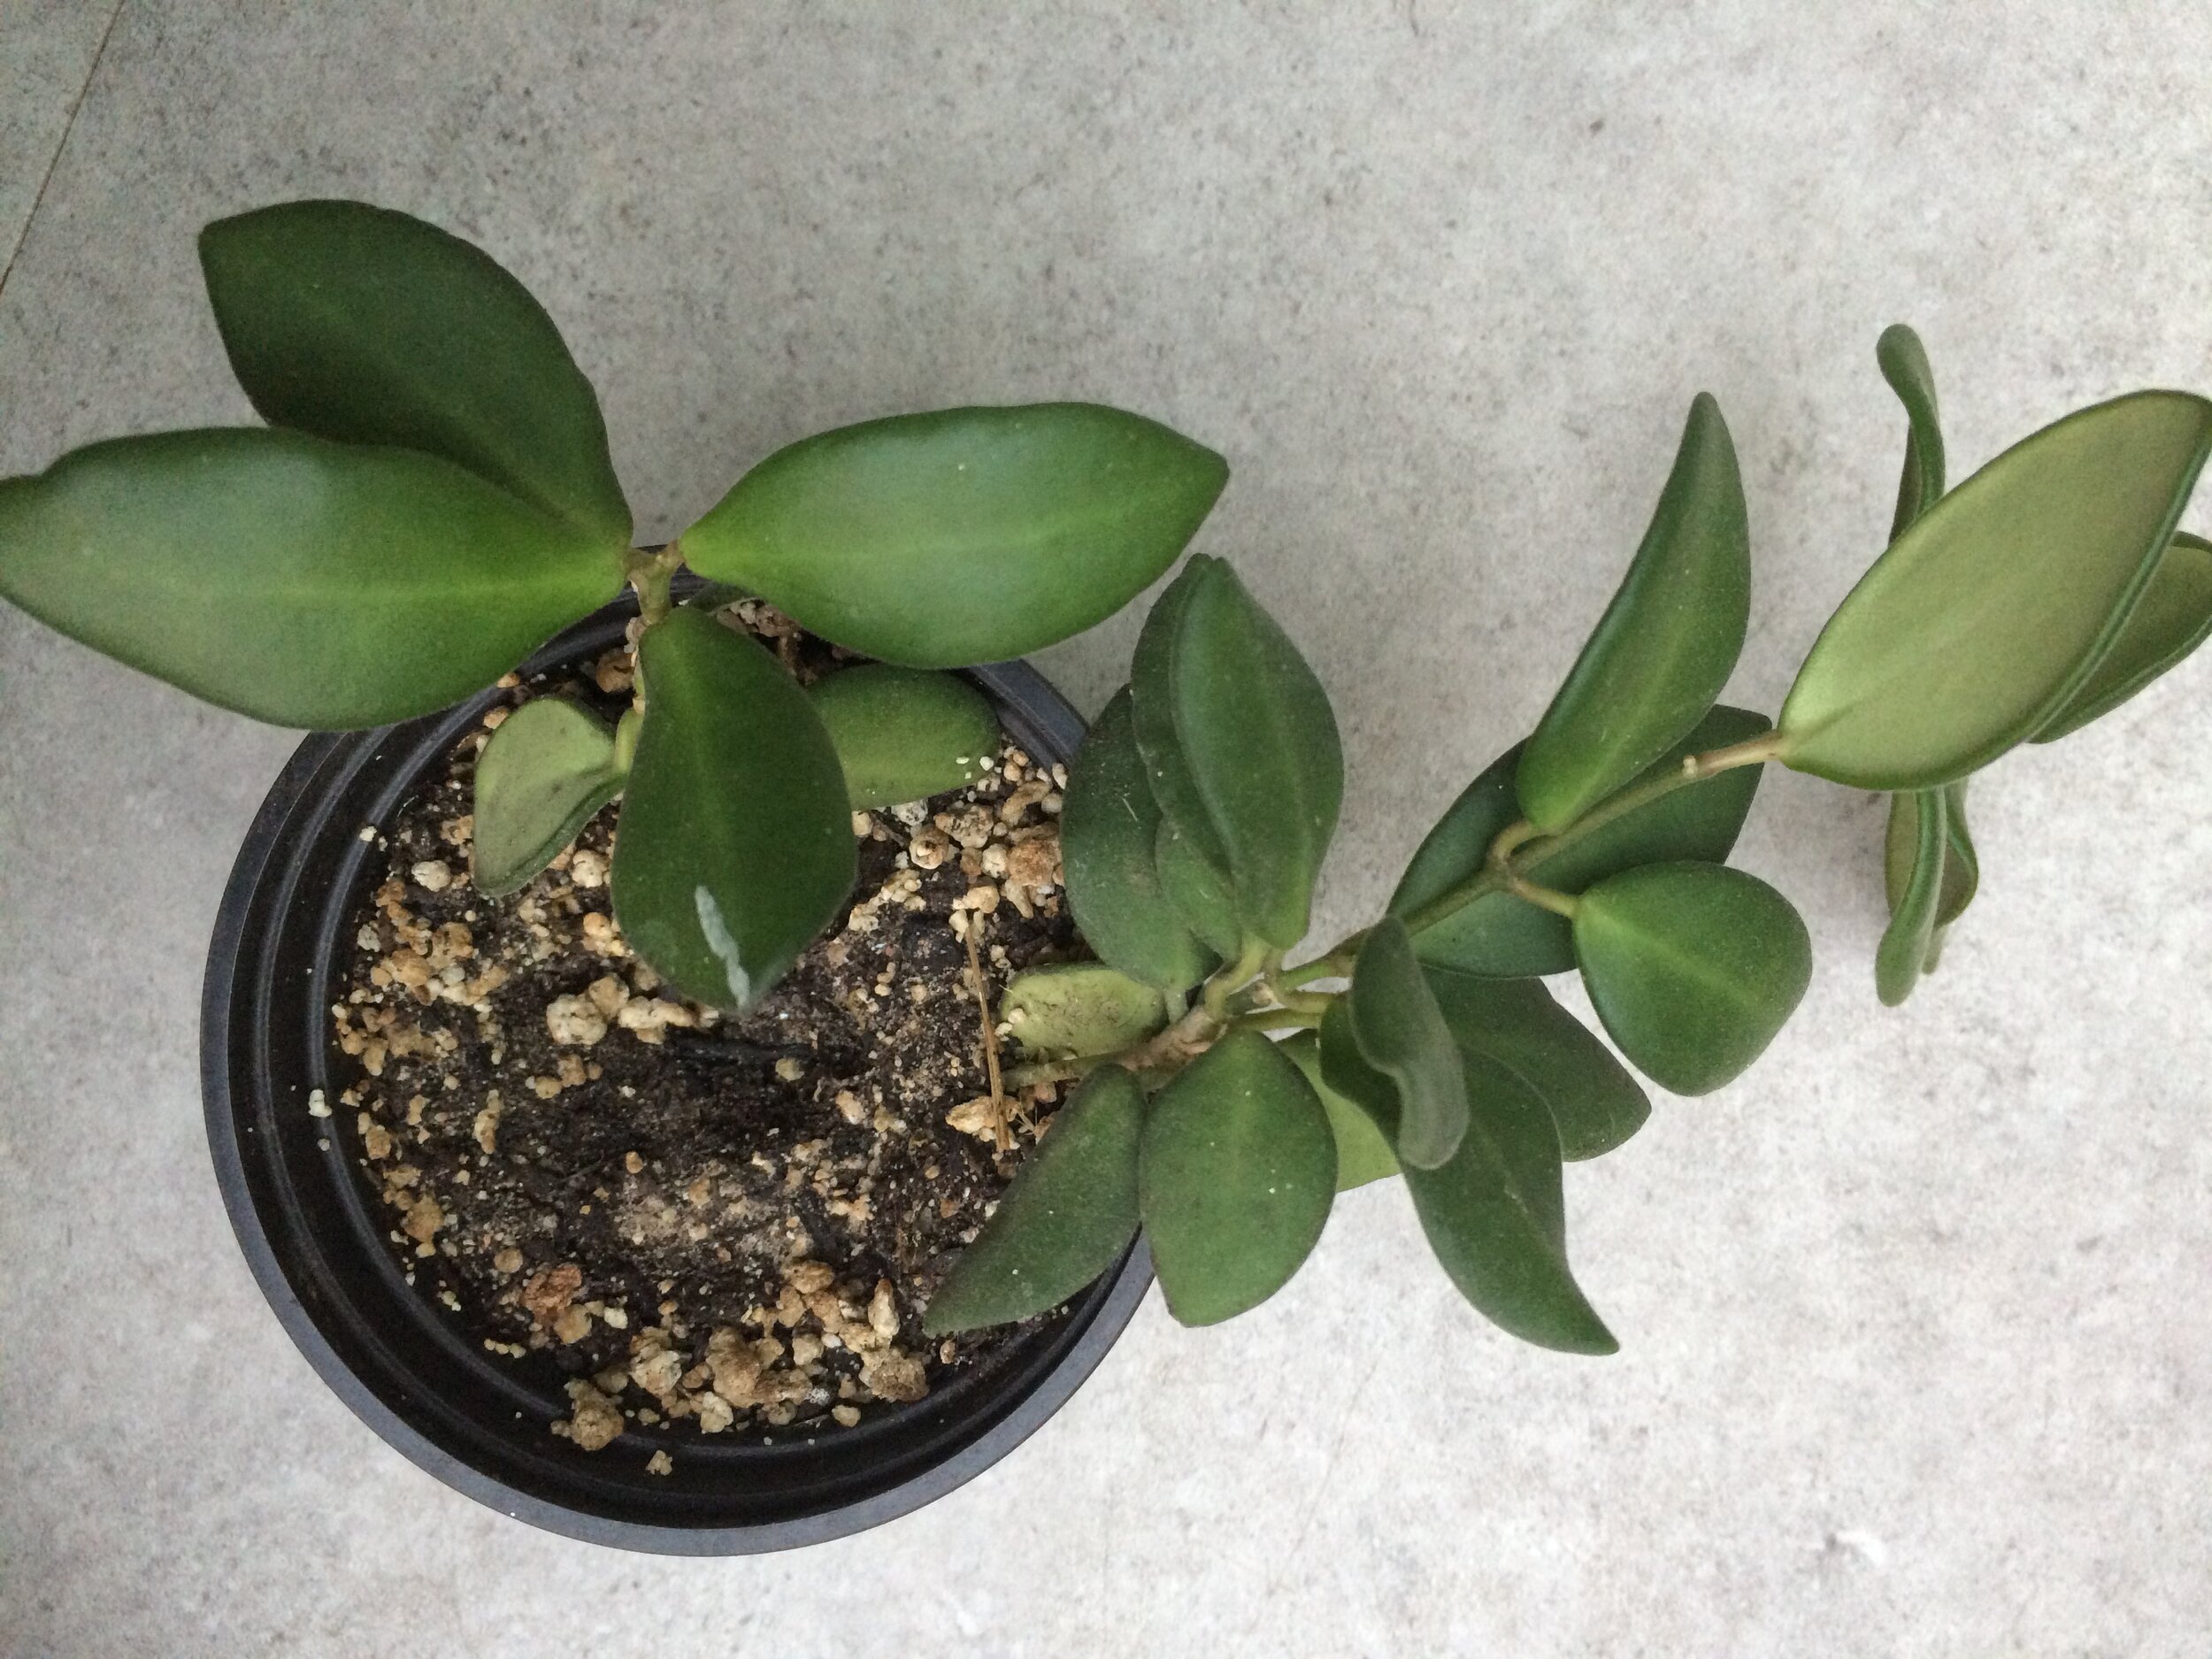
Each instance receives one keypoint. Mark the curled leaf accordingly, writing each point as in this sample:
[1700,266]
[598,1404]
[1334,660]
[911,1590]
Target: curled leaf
[545,770]
[1079,1008]
[1402,1035]
[1917,841]
[2170,621]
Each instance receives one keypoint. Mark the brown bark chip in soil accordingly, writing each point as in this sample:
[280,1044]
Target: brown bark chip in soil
[734,1222]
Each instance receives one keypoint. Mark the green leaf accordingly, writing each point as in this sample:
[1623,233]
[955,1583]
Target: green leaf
[1691,967]
[1401,1034]
[1260,740]
[1069,1213]
[1238,1172]
[736,844]
[358,324]
[1109,829]
[963,536]
[905,733]
[1917,841]
[1594,1103]
[1904,365]
[1079,1008]
[1666,643]
[548,767]
[1362,1153]
[1988,614]
[1960,866]
[1499,936]
[304,583]
[1496,1217]
[1198,892]
[2169,622]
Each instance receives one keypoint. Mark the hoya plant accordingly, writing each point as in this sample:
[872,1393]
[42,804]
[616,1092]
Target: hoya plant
[432,500]
[1224,1095]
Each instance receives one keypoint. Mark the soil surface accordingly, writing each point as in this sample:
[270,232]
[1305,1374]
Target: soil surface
[726,1224]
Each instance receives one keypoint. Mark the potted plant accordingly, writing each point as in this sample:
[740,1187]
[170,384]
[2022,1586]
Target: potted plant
[666,1093]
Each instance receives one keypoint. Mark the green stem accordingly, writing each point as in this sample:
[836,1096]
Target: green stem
[650,574]
[1227,980]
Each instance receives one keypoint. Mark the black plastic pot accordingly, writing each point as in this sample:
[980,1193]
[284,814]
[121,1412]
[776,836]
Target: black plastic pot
[313,1232]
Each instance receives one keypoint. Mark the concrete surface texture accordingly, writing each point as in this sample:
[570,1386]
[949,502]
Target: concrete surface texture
[1917,1342]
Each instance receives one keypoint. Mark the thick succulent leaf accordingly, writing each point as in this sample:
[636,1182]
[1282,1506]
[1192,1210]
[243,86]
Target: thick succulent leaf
[1503,937]
[1238,1172]
[1362,1153]
[1401,1034]
[905,733]
[966,535]
[1079,1008]
[1917,844]
[367,325]
[1691,967]
[1109,830]
[1069,1213]
[1962,865]
[736,845]
[1904,363]
[1984,618]
[1594,1102]
[302,582]
[2169,622]
[1152,711]
[1495,1216]
[544,771]
[1261,743]
[1664,647]
[1196,890]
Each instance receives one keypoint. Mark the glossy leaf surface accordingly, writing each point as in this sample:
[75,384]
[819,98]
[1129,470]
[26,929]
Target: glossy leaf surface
[1904,365]
[1362,1153]
[736,845]
[1238,1172]
[1595,1105]
[905,733]
[966,535]
[1693,968]
[1917,843]
[1504,937]
[1069,1214]
[302,582]
[365,326]
[2170,621]
[1261,742]
[1109,829]
[1985,616]
[1079,1008]
[545,770]
[1402,1035]
[1666,643]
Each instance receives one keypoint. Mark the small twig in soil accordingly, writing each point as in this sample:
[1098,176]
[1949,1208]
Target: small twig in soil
[1000,1134]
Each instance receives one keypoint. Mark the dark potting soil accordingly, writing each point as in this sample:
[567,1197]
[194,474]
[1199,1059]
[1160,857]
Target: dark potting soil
[730,1223]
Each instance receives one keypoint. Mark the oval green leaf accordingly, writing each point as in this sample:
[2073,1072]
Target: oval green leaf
[1904,365]
[2170,620]
[1495,1216]
[1196,890]
[1260,740]
[1069,1213]
[1499,936]
[1664,647]
[1109,830]
[548,767]
[1986,616]
[367,325]
[905,733]
[1079,1008]
[1401,1034]
[302,582]
[1238,1172]
[1917,843]
[736,844]
[1362,1153]
[963,536]
[1691,967]
[1594,1103]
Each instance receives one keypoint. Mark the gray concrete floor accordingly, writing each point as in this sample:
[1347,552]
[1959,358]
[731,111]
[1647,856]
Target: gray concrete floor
[1918,1338]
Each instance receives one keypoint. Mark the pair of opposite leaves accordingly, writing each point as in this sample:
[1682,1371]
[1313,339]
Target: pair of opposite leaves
[434,499]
